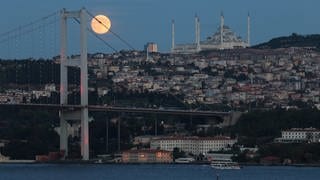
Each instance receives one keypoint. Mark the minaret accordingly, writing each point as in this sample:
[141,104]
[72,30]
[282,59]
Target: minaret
[221,29]
[248,33]
[196,28]
[198,35]
[172,36]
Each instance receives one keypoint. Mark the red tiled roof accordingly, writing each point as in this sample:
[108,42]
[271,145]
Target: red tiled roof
[146,151]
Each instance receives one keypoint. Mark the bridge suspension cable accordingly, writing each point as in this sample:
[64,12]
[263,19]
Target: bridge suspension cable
[112,32]
[98,37]
[20,41]
[27,28]
[36,29]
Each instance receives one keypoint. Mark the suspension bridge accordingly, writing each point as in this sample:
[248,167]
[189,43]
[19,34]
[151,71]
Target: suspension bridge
[36,33]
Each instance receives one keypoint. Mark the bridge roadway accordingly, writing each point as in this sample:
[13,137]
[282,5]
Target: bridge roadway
[120,109]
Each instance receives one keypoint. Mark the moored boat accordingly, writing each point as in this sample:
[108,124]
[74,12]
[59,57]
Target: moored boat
[184,160]
[224,164]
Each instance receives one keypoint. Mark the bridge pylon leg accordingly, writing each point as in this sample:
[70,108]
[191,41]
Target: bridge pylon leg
[84,134]
[84,86]
[63,135]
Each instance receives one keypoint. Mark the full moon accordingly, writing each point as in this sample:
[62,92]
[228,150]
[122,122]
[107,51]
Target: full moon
[100,24]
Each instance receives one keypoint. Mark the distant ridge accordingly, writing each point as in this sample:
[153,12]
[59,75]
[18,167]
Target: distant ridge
[295,40]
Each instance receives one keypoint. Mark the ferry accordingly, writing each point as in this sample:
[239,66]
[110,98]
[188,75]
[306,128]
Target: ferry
[224,164]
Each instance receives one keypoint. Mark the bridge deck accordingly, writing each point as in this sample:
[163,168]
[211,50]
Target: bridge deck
[119,109]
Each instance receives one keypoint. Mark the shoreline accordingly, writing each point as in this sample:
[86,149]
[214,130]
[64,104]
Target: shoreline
[281,165]
[95,162]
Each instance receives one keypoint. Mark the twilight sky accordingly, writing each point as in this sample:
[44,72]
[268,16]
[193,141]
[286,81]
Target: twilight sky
[141,21]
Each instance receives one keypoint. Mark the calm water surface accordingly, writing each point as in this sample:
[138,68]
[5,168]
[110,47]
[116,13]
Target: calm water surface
[151,172]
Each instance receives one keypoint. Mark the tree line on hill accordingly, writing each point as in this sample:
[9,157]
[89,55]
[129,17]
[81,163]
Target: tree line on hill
[260,127]
[33,72]
[294,40]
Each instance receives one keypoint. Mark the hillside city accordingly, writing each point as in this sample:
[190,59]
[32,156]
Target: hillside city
[160,90]
[242,80]
[268,79]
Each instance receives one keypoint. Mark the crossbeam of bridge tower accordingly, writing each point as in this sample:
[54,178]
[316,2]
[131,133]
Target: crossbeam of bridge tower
[82,64]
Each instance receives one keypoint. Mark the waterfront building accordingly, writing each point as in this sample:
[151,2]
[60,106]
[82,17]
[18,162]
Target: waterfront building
[147,156]
[194,145]
[144,140]
[3,158]
[298,135]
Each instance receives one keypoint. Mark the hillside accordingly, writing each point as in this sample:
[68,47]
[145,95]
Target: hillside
[295,40]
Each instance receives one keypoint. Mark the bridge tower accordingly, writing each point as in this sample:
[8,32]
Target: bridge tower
[81,63]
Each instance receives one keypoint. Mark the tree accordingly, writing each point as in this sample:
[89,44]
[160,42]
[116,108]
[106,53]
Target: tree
[177,153]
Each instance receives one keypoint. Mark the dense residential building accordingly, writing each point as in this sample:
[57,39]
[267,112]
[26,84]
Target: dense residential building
[194,145]
[299,135]
[147,156]
[237,78]
[151,47]
[286,78]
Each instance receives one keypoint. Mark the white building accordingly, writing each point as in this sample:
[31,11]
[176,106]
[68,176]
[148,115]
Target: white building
[194,145]
[38,94]
[151,47]
[50,87]
[299,135]
[144,140]
[4,158]
[224,38]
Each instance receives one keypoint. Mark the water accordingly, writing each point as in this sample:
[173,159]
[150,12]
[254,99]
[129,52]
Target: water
[151,172]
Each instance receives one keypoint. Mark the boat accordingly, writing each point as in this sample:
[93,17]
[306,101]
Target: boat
[184,160]
[224,164]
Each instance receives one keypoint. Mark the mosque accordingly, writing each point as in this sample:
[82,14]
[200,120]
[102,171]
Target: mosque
[224,38]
